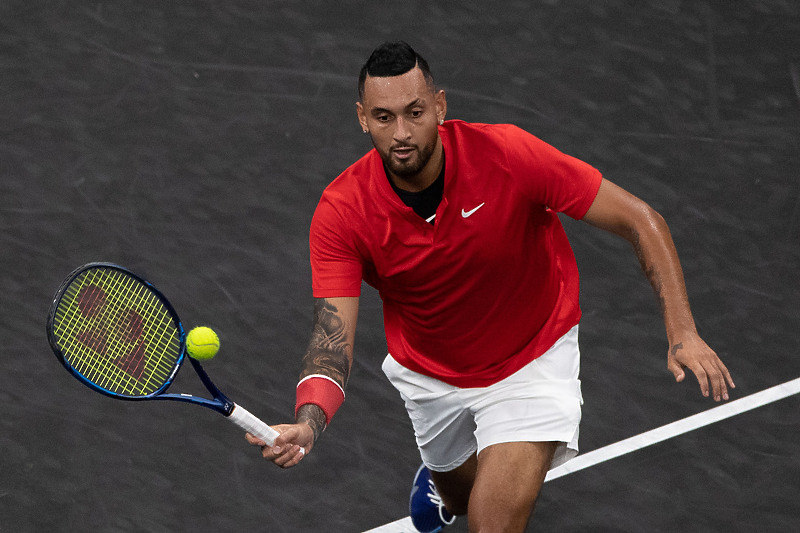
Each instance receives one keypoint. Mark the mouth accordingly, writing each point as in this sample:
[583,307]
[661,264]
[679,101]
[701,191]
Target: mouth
[403,152]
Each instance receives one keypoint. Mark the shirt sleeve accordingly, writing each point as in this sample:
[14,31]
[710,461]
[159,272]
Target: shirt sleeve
[549,177]
[336,265]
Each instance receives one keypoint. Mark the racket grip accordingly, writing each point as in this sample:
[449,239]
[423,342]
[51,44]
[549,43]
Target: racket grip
[253,425]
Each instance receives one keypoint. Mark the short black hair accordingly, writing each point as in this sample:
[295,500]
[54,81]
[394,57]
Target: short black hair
[393,59]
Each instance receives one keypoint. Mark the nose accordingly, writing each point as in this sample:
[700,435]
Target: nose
[402,131]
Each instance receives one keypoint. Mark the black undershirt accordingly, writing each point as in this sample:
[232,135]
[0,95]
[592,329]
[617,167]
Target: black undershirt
[425,202]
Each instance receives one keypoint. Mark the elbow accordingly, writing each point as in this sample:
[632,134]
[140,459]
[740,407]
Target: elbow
[645,223]
[653,218]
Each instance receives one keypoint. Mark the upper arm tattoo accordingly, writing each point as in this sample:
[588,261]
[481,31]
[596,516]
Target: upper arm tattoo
[330,351]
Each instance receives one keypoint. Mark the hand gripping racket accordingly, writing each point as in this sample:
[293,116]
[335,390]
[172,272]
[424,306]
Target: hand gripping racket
[117,334]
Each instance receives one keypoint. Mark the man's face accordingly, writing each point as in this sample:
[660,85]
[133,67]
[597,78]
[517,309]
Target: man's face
[401,114]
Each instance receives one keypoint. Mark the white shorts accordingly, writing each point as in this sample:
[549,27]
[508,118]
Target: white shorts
[539,403]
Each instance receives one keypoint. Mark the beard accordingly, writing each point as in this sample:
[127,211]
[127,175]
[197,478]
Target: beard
[412,166]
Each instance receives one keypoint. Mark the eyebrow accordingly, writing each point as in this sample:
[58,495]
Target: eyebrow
[414,103]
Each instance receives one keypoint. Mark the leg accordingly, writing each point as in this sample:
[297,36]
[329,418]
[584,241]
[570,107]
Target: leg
[455,486]
[507,483]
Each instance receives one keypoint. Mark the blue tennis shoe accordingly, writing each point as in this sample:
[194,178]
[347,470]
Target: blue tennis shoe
[425,505]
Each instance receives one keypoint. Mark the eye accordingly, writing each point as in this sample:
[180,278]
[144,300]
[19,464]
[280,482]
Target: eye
[416,113]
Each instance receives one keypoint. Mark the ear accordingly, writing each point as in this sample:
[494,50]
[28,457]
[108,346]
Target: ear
[362,117]
[441,106]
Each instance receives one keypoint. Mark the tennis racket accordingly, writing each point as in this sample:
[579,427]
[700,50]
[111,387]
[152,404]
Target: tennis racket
[118,335]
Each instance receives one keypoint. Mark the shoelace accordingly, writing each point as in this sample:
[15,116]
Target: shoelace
[433,496]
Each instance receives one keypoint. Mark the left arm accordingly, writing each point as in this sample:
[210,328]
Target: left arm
[619,212]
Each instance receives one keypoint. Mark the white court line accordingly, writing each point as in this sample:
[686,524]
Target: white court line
[674,429]
[648,438]
[403,525]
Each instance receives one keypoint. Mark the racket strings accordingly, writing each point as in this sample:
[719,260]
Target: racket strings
[116,332]
[86,337]
[125,325]
[96,339]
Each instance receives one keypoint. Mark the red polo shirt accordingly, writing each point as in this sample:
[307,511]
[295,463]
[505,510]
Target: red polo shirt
[488,288]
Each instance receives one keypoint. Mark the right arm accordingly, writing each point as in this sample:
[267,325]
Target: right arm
[329,354]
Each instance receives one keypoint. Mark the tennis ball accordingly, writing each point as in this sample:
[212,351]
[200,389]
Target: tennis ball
[202,343]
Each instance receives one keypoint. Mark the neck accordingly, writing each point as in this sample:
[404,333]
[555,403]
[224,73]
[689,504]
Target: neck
[425,177]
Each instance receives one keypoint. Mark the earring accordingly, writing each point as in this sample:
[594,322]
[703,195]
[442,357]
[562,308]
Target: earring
[441,121]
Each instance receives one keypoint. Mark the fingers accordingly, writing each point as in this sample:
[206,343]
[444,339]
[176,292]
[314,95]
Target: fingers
[702,379]
[727,376]
[283,451]
[677,370]
[721,380]
[713,378]
[712,375]
[255,441]
[285,456]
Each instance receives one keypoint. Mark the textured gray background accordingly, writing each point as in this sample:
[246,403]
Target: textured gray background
[190,142]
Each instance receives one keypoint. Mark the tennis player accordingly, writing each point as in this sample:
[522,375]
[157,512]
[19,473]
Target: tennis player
[455,224]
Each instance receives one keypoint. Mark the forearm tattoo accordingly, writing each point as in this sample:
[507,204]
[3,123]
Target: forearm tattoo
[313,416]
[329,354]
[330,351]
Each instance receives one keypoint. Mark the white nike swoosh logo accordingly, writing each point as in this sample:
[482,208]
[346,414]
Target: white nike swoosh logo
[467,214]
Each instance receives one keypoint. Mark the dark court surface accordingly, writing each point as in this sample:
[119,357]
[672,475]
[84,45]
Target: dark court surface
[190,141]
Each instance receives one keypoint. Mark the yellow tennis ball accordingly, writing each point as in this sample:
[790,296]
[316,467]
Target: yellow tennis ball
[202,343]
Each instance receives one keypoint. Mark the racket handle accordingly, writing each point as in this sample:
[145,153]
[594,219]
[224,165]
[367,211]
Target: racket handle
[253,425]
